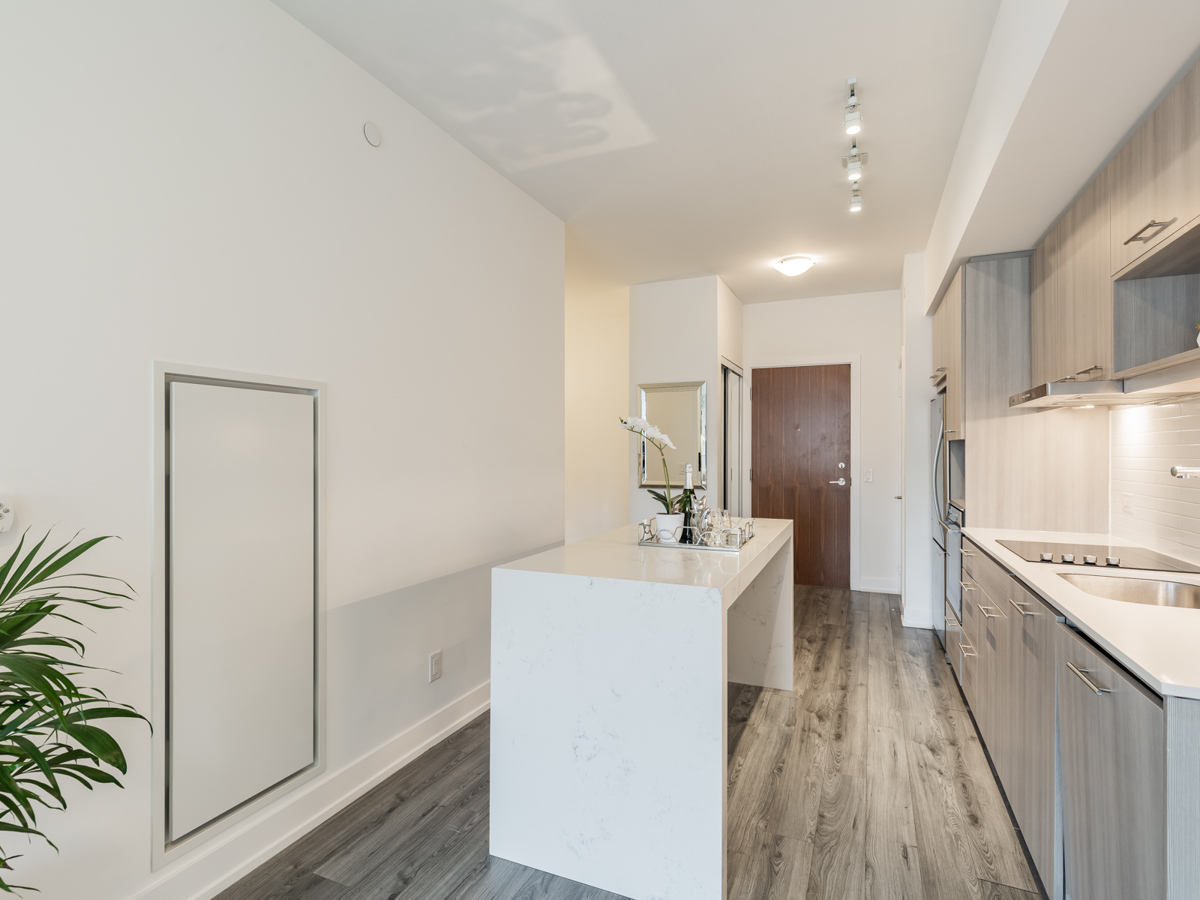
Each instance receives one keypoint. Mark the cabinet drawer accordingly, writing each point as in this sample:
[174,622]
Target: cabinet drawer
[968,671]
[953,641]
[988,575]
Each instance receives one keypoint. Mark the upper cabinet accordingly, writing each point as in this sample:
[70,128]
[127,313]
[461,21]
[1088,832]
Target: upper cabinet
[948,356]
[1115,285]
[1071,294]
[1156,176]
[1084,285]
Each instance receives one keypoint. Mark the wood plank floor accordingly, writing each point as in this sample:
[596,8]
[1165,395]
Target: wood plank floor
[866,782]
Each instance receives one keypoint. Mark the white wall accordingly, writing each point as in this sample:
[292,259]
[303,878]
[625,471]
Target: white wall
[917,590]
[189,182]
[676,330]
[597,389]
[863,329]
[1147,504]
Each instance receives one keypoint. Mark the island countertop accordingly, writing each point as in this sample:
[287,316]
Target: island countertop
[618,556]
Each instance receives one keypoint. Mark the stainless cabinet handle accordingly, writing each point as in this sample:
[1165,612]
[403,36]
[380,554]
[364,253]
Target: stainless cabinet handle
[965,652]
[938,373]
[986,614]
[1083,675]
[951,431]
[839,481]
[967,587]
[1020,607]
[1137,236]
[1095,368]
[966,552]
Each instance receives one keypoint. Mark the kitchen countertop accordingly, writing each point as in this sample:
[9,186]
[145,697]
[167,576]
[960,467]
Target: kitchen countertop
[1158,644]
[617,555]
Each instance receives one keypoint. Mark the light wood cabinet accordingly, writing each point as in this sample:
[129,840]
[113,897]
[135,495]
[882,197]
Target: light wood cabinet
[1084,286]
[1071,294]
[948,355]
[1045,334]
[1031,723]
[1112,735]
[1156,176]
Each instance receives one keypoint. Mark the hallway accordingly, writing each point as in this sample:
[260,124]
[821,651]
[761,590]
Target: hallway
[869,781]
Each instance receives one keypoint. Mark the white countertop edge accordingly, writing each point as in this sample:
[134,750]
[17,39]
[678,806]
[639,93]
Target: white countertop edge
[1158,645]
[616,556]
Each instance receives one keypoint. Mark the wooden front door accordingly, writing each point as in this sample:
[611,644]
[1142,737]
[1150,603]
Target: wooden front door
[800,447]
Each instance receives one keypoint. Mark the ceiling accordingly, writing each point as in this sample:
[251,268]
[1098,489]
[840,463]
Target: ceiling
[689,138]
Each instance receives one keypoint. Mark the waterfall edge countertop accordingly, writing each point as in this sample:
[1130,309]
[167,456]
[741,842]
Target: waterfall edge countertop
[1160,645]
[617,555]
[610,666]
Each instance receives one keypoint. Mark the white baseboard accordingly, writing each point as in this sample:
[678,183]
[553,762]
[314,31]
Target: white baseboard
[917,618]
[878,585]
[212,869]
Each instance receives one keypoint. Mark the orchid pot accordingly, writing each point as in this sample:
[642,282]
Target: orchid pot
[669,528]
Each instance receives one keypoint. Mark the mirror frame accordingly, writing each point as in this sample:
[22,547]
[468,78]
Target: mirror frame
[700,389]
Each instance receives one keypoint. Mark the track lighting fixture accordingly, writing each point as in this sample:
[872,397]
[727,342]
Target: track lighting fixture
[853,117]
[855,198]
[853,162]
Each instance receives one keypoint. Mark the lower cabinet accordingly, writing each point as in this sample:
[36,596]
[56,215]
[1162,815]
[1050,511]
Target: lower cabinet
[1112,734]
[1029,781]
[953,641]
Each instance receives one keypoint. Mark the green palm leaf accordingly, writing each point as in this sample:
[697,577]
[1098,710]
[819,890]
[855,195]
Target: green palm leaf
[49,721]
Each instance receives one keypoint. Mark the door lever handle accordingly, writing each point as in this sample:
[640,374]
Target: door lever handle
[839,481]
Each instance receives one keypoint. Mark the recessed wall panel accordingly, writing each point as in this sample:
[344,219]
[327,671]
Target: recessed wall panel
[241,624]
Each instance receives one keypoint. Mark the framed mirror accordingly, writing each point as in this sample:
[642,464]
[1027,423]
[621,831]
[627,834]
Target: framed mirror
[678,410]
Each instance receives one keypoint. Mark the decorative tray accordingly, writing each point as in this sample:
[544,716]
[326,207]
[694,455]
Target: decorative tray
[717,531]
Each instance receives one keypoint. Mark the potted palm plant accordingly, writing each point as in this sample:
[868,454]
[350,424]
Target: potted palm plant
[50,724]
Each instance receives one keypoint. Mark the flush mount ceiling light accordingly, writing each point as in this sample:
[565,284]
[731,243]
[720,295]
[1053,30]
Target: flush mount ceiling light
[853,162]
[794,265]
[853,117]
[855,198]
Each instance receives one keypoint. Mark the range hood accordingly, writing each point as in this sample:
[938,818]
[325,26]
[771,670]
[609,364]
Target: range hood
[1085,394]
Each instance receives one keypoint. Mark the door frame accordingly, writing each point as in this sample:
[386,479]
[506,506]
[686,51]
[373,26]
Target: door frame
[854,360]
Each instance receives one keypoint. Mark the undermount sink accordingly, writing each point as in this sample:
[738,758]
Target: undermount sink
[1151,591]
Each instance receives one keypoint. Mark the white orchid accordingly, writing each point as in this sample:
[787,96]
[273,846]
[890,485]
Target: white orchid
[638,425]
[645,429]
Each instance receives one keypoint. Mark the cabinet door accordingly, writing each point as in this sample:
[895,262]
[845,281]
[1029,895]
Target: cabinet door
[1043,308]
[995,691]
[1155,176]
[1112,734]
[1084,285]
[952,308]
[1031,785]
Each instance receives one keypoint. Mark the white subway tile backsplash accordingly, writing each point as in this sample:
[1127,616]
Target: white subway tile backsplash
[1146,503]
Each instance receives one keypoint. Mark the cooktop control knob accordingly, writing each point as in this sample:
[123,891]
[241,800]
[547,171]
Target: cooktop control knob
[1113,561]
[1047,557]
[1068,557]
[1089,560]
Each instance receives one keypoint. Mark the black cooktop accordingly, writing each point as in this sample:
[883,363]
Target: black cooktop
[1112,556]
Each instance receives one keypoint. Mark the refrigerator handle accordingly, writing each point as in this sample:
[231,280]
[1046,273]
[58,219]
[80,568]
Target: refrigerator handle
[933,476]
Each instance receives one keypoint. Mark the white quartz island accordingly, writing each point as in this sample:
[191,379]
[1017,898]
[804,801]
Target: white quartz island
[609,720]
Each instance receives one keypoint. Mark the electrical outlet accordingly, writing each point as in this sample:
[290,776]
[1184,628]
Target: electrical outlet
[6,515]
[870,475]
[1126,503]
[435,666]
